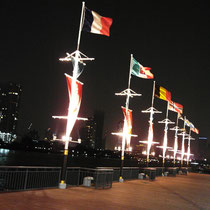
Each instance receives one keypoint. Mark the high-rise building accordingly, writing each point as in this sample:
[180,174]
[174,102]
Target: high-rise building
[92,133]
[99,120]
[9,110]
[88,133]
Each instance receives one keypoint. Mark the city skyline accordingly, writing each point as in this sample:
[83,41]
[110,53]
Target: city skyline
[170,39]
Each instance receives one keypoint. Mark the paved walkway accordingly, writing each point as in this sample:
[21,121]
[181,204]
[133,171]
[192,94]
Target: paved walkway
[181,192]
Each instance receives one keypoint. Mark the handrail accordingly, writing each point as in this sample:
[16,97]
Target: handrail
[29,167]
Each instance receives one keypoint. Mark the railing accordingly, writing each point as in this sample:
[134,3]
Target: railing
[25,178]
[17,178]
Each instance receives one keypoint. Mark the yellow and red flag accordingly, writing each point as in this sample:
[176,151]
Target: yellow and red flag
[162,93]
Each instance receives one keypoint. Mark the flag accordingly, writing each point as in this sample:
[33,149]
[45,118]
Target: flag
[180,116]
[188,123]
[162,93]
[75,96]
[141,71]
[128,118]
[175,107]
[195,130]
[127,129]
[95,23]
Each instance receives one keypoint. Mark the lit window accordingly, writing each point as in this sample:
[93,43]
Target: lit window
[13,93]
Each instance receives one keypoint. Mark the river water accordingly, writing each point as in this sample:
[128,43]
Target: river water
[30,158]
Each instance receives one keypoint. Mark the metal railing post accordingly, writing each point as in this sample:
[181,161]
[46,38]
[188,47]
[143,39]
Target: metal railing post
[78,177]
[59,177]
[26,179]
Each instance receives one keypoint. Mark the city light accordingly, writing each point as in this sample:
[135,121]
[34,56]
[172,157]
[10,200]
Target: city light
[64,138]
[144,152]
[129,149]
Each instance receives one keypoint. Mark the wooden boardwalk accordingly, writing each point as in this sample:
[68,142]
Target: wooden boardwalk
[180,192]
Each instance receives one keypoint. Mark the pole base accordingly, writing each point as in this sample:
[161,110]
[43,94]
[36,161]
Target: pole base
[62,186]
[121,179]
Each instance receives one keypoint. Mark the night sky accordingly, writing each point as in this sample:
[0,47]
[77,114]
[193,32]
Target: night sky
[172,38]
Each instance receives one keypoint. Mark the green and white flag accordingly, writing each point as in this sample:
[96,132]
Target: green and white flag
[141,71]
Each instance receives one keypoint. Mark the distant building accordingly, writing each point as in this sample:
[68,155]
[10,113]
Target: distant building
[92,133]
[88,133]
[99,120]
[10,94]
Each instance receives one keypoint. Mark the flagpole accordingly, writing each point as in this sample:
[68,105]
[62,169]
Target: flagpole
[78,57]
[165,135]
[80,26]
[129,78]
[128,93]
[183,138]
[177,118]
[188,149]
[126,107]
[152,111]
[167,110]
[129,83]
[165,140]
[176,139]
[150,133]
[153,94]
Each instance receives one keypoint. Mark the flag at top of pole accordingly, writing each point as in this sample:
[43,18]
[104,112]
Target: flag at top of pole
[92,22]
[162,93]
[175,107]
[195,130]
[141,71]
[95,23]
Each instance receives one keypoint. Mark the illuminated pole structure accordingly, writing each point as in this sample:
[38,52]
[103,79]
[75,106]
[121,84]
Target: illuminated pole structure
[188,149]
[176,129]
[152,111]
[165,140]
[74,87]
[128,93]
[183,134]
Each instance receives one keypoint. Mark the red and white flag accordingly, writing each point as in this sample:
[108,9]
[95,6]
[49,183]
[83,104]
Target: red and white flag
[175,107]
[75,96]
[195,130]
[127,130]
